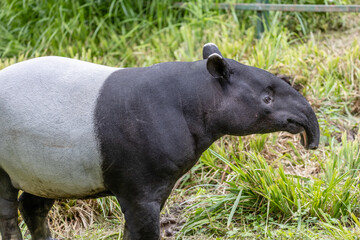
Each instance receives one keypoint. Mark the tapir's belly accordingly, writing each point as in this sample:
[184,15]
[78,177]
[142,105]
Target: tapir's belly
[48,145]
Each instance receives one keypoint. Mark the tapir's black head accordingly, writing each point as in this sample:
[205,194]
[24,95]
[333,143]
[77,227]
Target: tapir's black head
[256,101]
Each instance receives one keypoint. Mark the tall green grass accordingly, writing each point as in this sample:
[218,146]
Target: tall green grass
[122,32]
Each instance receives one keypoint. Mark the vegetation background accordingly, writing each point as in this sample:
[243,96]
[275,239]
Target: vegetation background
[253,187]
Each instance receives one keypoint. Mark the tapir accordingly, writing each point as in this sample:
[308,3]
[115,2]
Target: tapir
[71,129]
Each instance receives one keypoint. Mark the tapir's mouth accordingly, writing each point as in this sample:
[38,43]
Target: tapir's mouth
[308,141]
[307,138]
[303,139]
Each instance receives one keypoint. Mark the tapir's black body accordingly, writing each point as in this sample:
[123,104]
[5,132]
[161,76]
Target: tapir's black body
[153,123]
[172,128]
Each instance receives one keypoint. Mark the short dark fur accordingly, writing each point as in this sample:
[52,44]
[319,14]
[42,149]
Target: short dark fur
[154,123]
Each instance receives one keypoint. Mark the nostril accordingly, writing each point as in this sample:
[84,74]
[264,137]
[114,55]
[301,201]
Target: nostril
[293,122]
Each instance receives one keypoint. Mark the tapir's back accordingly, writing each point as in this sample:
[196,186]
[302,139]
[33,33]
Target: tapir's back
[47,126]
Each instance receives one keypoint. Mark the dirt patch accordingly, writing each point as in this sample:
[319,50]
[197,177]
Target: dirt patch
[172,221]
[306,170]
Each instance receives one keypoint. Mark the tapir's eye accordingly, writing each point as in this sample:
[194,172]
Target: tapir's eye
[267,99]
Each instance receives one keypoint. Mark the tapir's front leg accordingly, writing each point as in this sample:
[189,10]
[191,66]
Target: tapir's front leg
[142,219]
[141,199]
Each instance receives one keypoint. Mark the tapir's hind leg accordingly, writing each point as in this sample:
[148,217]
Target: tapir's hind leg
[8,209]
[34,211]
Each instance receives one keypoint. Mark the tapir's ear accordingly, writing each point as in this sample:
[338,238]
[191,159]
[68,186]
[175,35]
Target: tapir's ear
[218,67]
[209,49]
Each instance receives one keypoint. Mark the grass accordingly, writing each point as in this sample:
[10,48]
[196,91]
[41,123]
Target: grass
[253,187]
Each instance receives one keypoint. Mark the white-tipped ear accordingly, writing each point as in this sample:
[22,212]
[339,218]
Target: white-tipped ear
[209,49]
[218,67]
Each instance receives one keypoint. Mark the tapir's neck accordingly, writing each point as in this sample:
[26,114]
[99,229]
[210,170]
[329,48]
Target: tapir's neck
[201,96]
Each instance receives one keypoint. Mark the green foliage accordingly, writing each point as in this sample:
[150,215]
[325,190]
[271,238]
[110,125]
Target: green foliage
[120,31]
[303,23]
[110,29]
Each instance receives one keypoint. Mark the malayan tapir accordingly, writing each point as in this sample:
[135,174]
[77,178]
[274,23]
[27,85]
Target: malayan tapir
[73,129]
